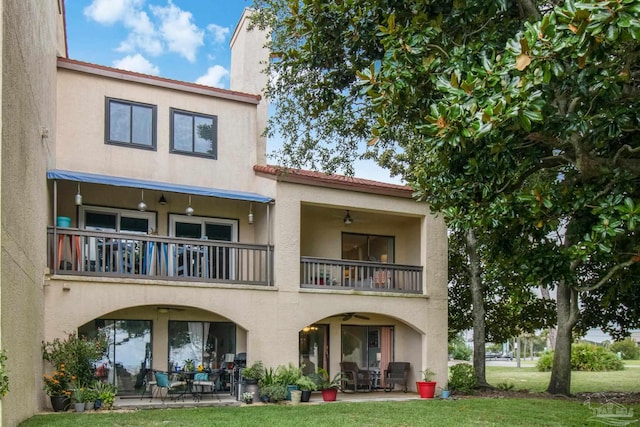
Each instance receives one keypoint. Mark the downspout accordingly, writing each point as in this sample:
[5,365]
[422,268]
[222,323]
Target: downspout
[55,227]
[269,257]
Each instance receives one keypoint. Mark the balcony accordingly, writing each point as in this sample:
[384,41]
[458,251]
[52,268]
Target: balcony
[142,256]
[324,273]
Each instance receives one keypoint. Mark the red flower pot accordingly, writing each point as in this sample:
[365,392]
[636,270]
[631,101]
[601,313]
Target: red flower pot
[426,389]
[330,394]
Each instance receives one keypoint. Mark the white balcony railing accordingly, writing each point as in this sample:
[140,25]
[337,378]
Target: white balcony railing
[110,254]
[323,273]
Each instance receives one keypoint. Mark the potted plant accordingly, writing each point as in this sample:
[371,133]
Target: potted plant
[327,385]
[252,375]
[247,397]
[90,396]
[427,387]
[288,375]
[106,395]
[188,365]
[306,385]
[78,397]
[269,378]
[273,393]
[57,387]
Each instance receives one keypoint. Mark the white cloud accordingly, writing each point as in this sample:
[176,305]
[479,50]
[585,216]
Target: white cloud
[143,35]
[218,33]
[178,31]
[111,11]
[214,76]
[137,63]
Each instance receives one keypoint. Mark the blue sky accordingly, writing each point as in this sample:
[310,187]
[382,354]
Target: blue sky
[185,40]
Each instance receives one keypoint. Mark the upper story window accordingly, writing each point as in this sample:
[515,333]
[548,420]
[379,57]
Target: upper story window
[193,133]
[130,123]
[368,247]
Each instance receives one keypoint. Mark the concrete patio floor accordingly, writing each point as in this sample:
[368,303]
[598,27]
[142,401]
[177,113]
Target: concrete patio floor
[225,399]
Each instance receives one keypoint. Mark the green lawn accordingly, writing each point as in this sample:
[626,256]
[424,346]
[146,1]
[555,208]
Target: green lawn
[461,412]
[464,411]
[528,378]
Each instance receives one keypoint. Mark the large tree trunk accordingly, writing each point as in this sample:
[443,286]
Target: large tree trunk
[560,382]
[478,310]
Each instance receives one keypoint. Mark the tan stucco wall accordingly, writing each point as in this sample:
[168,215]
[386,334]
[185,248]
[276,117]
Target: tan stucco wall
[28,105]
[81,134]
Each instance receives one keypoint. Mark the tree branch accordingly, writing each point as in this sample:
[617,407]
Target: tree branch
[606,277]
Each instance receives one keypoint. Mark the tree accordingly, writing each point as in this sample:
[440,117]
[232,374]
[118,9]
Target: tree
[503,115]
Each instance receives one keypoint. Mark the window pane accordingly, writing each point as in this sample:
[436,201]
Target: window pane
[136,225]
[218,232]
[119,122]
[142,125]
[354,247]
[355,345]
[189,230]
[204,135]
[182,132]
[100,221]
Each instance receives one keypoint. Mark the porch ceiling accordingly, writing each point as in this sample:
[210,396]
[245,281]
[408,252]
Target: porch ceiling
[156,185]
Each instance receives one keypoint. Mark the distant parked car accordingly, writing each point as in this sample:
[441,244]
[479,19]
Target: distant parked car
[492,355]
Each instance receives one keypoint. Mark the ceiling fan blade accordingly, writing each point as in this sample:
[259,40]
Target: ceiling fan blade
[347,316]
[361,316]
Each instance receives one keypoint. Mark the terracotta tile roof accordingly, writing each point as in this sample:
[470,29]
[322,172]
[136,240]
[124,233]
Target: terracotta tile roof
[88,67]
[322,179]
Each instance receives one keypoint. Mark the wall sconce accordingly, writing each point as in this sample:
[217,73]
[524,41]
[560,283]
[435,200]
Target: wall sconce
[189,210]
[78,197]
[142,206]
[250,218]
[162,200]
[347,219]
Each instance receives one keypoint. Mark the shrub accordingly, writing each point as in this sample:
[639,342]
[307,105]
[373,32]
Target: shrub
[585,357]
[627,348]
[78,355]
[462,378]
[545,362]
[4,377]
[458,349]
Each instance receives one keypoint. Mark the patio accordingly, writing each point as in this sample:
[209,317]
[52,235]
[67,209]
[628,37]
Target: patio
[135,403]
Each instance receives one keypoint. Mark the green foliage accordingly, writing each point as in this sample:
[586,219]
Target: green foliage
[275,392]
[255,371]
[462,378]
[324,381]
[306,383]
[627,348]
[458,349]
[4,375]
[106,393]
[288,374]
[77,354]
[505,386]
[269,378]
[427,375]
[585,357]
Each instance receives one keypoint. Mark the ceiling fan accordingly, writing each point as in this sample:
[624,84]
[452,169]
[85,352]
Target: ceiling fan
[348,316]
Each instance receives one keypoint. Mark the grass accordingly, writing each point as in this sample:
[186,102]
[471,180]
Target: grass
[528,378]
[461,412]
[465,411]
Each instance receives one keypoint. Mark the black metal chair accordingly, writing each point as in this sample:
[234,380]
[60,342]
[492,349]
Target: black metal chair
[353,376]
[396,373]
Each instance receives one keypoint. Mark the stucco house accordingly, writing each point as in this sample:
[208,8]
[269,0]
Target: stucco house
[145,208]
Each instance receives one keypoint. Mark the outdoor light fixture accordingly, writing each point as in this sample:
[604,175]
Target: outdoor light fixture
[162,200]
[250,213]
[78,197]
[347,219]
[189,209]
[142,206]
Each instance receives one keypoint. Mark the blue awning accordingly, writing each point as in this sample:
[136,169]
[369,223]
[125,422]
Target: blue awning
[155,185]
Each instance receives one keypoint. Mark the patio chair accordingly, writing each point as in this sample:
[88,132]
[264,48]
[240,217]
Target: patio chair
[353,376]
[396,373]
[172,387]
[148,383]
[204,383]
